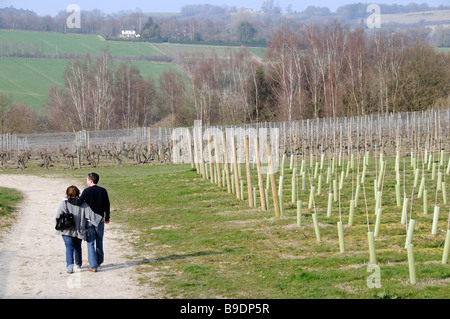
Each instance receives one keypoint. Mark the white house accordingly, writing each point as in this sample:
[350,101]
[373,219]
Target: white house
[130,34]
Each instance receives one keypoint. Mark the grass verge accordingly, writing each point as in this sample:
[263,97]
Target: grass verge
[9,199]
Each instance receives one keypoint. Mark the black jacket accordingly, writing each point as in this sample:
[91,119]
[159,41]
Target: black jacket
[97,198]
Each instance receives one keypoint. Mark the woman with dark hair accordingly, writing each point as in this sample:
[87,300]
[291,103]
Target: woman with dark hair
[74,236]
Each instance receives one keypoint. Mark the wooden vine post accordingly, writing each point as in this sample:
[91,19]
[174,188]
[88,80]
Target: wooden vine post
[235,165]
[273,183]
[216,153]
[78,146]
[149,142]
[191,152]
[211,165]
[260,178]
[247,168]
[225,163]
[200,148]
[196,158]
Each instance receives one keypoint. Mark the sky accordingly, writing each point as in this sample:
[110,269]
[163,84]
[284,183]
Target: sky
[52,7]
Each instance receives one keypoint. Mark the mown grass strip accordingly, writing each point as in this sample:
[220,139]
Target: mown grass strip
[9,198]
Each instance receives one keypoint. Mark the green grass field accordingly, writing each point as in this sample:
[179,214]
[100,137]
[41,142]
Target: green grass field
[415,17]
[443,50]
[28,80]
[9,199]
[55,43]
[206,243]
[173,49]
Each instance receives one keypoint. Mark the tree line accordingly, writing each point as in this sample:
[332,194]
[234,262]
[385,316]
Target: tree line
[100,95]
[321,70]
[209,23]
[312,71]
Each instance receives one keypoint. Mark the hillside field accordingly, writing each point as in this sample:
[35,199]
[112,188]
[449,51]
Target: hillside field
[434,16]
[75,43]
[56,43]
[28,80]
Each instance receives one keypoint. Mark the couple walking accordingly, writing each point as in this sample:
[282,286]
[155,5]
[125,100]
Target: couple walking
[91,211]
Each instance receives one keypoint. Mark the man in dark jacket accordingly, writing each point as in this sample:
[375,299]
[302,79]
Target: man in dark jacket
[97,198]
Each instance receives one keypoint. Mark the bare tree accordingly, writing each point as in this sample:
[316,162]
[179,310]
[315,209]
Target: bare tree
[204,73]
[326,46]
[21,119]
[77,76]
[172,95]
[5,105]
[286,68]
[356,58]
[102,92]
[238,66]
[145,100]
[127,78]
[335,47]
[389,51]
[317,67]
[61,114]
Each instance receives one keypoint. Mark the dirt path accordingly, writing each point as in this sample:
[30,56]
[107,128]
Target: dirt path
[32,256]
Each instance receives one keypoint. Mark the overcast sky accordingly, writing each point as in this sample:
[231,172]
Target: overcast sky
[52,7]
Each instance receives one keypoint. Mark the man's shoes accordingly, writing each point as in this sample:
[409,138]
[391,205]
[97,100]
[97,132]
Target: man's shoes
[92,270]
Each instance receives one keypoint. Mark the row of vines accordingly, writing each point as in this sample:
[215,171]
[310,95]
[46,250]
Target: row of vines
[391,134]
[375,185]
[383,177]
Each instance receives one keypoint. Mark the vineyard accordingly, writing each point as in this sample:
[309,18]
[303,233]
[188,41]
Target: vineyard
[338,177]
[420,133]
[346,196]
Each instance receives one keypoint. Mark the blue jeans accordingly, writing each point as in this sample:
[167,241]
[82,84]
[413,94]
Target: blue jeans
[73,251]
[95,244]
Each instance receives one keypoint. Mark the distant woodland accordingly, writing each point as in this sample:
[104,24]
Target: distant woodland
[221,24]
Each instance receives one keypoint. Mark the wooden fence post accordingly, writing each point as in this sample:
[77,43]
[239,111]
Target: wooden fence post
[273,183]
[260,178]
[249,177]
[225,163]
[216,153]
[191,155]
[236,175]
[211,165]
